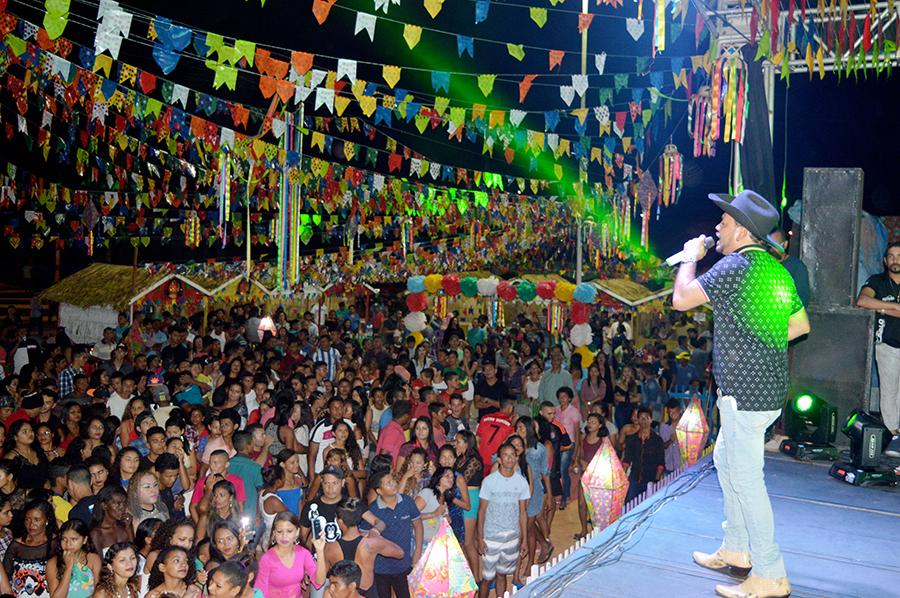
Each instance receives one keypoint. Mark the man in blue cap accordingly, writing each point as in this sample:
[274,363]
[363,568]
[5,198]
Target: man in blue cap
[757,311]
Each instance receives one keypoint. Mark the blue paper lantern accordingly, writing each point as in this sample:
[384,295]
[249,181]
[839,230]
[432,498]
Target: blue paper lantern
[416,284]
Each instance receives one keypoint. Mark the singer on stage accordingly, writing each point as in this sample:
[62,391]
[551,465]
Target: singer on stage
[756,311]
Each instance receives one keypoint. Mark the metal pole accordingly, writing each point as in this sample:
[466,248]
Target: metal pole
[582,163]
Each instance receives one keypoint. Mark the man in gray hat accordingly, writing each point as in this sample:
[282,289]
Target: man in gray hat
[757,311]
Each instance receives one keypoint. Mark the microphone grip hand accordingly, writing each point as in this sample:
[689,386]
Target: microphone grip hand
[696,248]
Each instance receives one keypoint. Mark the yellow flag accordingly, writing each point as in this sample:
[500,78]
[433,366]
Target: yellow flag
[558,171]
[517,51]
[440,105]
[340,104]
[318,140]
[809,60]
[485,84]
[349,150]
[368,104]
[391,75]
[434,7]
[497,118]
[821,62]
[359,86]
[539,16]
[478,111]
[412,34]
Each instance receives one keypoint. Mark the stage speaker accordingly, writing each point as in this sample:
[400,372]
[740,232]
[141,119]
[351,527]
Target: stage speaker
[829,241]
[834,361]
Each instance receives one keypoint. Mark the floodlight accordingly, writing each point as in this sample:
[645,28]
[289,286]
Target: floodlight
[810,423]
[868,439]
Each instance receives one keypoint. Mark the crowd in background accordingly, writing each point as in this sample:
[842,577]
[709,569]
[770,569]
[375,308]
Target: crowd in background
[317,454]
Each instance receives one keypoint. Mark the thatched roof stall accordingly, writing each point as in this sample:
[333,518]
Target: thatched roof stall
[91,299]
[629,292]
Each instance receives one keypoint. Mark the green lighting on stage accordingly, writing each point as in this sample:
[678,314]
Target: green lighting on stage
[803,403]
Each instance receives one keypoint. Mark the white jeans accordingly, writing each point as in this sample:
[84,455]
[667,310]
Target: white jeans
[739,458]
[888,360]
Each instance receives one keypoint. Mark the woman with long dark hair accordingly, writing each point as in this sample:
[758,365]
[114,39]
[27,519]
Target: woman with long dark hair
[536,458]
[460,502]
[9,490]
[144,500]
[170,574]
[471,466]
[23,449]
[434,501]
[223,506]
[175,532]
[227,542]
[71,423]
[74,568]
[119,575]
[26,559]
[422,437]
[127,462]
[285,565]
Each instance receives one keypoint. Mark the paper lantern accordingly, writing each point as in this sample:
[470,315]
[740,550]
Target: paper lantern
[605,486]
[450,284]
[581,312]
[469,286]
[526,291]
[587,356]
[433,283]
[415,321]
[415,284]
[586,293]
[417,301]
[506,291]
[442,570]
[487,287]
[565,291]
[546,289]
[581,335]
[692,430]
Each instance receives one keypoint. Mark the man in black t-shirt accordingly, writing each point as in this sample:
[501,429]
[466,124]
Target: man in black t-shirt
[881,294]
[645,453]
[325,506]
[490,390]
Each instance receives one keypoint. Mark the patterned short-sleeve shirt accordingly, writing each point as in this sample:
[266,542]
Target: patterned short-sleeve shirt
[753,297]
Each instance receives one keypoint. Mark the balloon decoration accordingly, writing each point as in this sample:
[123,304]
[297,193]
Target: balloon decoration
[433,283]
[469,286]
[450,285]
[415,284]
[581,312]
[565,291]
[415,322]
[417,302]
[487,287]
[585,293]
[526,291]
[546,289]
[506,291]
[581,335]
[417,336]
[587,356]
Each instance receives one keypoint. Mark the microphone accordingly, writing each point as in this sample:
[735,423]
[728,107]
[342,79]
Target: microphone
[708,242]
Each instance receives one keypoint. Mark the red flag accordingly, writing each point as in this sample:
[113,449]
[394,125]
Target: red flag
[525,86]
[584,21]
[556,57]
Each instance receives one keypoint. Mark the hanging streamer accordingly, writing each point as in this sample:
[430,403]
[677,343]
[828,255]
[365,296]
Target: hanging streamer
[670,176]
[224,196]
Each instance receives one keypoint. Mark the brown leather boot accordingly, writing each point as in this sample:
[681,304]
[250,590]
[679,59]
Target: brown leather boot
[757,587]
[731,563]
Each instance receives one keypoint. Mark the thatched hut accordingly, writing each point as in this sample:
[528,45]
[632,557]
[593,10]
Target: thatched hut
[91,299]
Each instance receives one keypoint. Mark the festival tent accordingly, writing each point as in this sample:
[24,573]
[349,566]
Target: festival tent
[629,292]
[91,299]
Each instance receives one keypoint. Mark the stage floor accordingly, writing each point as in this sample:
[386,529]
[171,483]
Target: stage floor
[838,540]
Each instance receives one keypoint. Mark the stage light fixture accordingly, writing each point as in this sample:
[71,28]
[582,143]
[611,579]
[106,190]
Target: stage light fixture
[868,439]
[810,423]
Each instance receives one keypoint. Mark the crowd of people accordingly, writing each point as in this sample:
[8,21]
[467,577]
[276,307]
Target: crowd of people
[320,455]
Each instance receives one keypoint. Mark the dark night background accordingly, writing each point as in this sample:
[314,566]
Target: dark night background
[830,123]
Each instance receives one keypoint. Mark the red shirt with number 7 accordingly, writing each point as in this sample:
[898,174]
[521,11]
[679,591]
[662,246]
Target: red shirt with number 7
[493,430]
